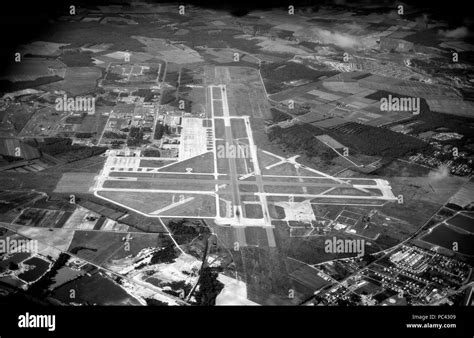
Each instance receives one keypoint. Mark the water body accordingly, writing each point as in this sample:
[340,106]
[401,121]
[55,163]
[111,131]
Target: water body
[445,236]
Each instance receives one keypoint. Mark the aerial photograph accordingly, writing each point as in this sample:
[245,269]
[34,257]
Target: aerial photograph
[172,154]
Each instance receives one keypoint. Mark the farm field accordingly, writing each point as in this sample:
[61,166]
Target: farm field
[238,157]
[77,80]
[106,247]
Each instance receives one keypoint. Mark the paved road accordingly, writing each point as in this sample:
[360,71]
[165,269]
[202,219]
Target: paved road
[130,280]
[232,164]
[259,182]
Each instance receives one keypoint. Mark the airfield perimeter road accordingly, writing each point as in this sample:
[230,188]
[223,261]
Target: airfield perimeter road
[235,184]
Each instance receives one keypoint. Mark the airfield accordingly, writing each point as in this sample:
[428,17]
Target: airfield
[221,174]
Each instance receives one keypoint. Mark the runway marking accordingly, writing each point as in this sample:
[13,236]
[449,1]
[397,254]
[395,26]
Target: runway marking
[226,185]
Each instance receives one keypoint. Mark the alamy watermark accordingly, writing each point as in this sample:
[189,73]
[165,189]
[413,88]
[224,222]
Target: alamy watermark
[229,150]
[76,104]
[397,104]
[37,321]
[345,246]
[12,245]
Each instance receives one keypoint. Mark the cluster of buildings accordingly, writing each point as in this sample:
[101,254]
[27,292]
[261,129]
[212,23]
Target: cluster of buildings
[409,275]
[459,165]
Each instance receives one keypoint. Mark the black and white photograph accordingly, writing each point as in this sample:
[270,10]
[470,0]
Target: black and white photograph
[314,157]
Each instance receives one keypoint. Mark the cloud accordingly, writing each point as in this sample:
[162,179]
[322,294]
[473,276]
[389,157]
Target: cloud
[338,39]
[458,33]
[439,174]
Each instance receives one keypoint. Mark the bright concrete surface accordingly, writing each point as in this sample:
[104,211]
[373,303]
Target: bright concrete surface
[234,292]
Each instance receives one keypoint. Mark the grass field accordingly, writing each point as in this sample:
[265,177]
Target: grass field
[284,189]
[75,182]
[153,163]
[216,93]
[42,48]
[219,130]
[218,110]
[244,165]
[57,238]
[197,98]
[347,192]
[158,184]
[308,276]
[238,128]
[29,69]
[90,290]
[265,273]
[91,165]
[104,247]
[276,212]
[265,159]
[246,95]
[253,211]
[200,164]
[77,81]
[164,204]
[45,182]
[285,169]
[160,175]
[248,188]
[369,230]
[146,202]
[93,124]
[222,163]
[199,205]
[225,205]
[422,197]
[256,236]
[168,52]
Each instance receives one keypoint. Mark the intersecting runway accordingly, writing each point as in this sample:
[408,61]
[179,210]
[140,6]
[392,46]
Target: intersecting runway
[243,188]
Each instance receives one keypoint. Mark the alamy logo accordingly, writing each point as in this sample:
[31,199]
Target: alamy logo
[76,104]
[409,104]
[233,151]
[11,245]
[37,321]
[336,245]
